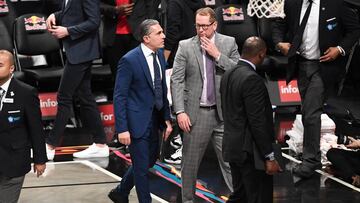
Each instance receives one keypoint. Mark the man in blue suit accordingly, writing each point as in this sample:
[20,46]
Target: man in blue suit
[76,24]
[141,109]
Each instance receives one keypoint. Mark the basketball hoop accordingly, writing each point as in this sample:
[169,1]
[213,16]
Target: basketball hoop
[266,8]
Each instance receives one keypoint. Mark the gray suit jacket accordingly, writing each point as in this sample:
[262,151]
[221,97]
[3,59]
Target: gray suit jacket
[188,73]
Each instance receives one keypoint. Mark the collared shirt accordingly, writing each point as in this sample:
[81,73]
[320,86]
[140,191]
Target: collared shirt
[203,100]
[5,87]
[309,47]
[149,59]
[251,64]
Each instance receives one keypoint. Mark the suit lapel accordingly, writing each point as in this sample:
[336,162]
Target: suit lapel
[198,54]
[298,7]
[67,6]
[145,67]
[9,95]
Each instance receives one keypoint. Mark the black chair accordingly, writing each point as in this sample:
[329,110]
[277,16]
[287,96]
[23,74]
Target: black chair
[213,3]
[234,21]
[31,38]
[5,44]
[102,78]
[7,14]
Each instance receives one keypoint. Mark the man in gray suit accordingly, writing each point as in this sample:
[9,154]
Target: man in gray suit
[198,67]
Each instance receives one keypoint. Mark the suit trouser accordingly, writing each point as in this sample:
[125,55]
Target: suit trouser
[194,147]
[346,163]
[250,185]
[76,80]
[144,152]
[10,189]
[312,92]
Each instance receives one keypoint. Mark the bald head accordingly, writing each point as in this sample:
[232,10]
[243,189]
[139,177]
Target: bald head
[252,46]
[8,55]
[6,66]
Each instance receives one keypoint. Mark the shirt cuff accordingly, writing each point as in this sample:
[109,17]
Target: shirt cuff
[178,112]
[270,157]
[342,51]
[218,58]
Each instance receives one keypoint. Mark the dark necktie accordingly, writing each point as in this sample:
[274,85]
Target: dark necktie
[295,44]
[2,94]
[210,90]
[157,84]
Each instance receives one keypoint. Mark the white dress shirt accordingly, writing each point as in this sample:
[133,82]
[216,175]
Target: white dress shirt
[251,64]
[309,47]
[149,59]
[203,100]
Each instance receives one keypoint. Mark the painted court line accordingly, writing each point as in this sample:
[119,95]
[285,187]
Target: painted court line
[93,165]
[324,174]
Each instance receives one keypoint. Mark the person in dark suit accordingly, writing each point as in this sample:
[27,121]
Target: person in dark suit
[141,109]
[317,55]
[248,127]
[20,130]
[77,26]
[121,20]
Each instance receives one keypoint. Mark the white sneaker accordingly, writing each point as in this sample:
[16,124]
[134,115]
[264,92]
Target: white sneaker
[176,142]
[175,158]
[93,151]
[50,153]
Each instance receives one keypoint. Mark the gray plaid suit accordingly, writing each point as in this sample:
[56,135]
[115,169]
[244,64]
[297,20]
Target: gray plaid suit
[186,88]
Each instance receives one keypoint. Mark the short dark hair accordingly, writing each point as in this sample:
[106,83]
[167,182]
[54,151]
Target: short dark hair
[144,28]
[9,55]
[252,46]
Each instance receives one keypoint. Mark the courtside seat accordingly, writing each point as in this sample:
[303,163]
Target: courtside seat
[234,21]
[31,39]
[6,44]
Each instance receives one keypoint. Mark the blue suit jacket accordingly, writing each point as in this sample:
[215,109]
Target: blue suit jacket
[134,96]
[82,18]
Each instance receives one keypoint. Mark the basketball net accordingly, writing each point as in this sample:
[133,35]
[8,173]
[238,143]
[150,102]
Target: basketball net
[266,8]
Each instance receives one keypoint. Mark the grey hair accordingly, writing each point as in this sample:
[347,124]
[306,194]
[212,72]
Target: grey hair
[144,28]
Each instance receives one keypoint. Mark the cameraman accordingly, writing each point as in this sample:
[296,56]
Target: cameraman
[347,163]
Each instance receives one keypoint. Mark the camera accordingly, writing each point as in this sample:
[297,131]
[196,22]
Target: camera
[343,139]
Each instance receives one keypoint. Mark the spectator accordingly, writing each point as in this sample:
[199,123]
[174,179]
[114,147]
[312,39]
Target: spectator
[347,163]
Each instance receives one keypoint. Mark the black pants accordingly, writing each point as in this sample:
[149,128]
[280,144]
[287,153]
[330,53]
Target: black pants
[10,188]
[312,92]
[122,44]
[250,185]
[76,80]
[346,163]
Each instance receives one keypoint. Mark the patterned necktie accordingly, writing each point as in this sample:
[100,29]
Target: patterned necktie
[210,89]
[2,94]
[157,84]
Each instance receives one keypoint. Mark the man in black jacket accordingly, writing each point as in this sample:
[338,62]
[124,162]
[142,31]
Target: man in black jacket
[20,130]
[317,54]
[248,127]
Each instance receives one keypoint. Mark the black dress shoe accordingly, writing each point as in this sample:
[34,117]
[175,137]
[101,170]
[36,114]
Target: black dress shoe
[303,171]
[116,197]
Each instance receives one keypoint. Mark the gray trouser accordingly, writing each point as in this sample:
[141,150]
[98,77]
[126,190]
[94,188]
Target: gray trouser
[312,92]
[206,128]
[10,189]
